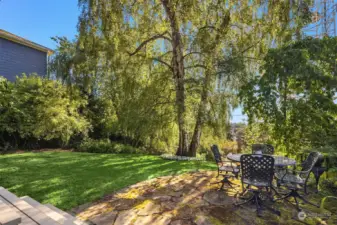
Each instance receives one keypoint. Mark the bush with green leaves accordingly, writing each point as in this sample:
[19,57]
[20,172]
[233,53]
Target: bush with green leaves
[105,146]
[33,107]
[329,184]
[294,94]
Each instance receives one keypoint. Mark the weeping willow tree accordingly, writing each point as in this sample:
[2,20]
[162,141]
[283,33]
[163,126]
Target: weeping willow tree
[183,46]
[75,66]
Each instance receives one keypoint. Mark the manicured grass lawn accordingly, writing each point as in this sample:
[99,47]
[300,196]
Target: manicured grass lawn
[69,179]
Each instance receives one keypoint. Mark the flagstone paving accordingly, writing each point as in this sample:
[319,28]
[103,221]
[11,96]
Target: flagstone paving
[188,199]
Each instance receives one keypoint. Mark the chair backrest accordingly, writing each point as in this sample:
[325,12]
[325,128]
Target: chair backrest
[216,153]
[319,162]
[265,149]
[310,162]
[257,168]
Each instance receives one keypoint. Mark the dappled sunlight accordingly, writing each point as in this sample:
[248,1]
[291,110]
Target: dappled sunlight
[181,199]
[144,188]
[69,179]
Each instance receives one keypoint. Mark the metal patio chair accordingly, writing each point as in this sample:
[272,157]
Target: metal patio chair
[226,168]
[296,180]
[257,171]
[317,169]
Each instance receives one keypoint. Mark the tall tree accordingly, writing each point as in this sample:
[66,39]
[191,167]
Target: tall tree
[190,39]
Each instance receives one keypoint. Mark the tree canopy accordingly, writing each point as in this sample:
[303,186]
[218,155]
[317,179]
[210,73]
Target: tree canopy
[185,45]
[295,93]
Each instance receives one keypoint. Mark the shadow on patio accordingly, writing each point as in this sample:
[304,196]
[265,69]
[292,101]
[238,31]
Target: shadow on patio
[190,198]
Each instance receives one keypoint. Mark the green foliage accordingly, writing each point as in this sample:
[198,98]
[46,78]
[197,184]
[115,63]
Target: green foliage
[330,154]
[295,92]
[329,184]
[256,133]
[73,66]
[105,146]
[146,70]
[142,110]
[35,107]
[157,61]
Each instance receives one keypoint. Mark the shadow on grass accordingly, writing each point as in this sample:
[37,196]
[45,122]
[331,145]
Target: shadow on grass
[68,179]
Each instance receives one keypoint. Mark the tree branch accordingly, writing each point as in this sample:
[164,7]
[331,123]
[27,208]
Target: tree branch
[251,46]
[241,53]
[195,66]
[157,36]
[163,62]
[190,53]
[208,27]
[194,80]
[165,54]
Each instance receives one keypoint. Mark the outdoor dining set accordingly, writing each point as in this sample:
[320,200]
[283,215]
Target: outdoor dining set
[263,172]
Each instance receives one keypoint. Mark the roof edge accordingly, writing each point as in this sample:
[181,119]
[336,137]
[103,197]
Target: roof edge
[14,38]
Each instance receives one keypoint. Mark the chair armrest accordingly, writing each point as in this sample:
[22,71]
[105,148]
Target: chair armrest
[298,171]
[232,164]
[292,172]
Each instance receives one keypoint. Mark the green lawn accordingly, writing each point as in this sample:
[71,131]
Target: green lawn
[68,179]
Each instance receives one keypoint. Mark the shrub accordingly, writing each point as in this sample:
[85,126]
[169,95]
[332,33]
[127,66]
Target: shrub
[36,108]
[105,146]
[182,158]
[330,184]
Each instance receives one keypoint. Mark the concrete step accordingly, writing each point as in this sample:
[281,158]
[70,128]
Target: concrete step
[67,215]
[33,213]
[8,216]
[24,218]
[59,218]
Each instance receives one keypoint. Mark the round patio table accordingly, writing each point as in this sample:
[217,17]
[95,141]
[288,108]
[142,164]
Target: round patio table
[279,160]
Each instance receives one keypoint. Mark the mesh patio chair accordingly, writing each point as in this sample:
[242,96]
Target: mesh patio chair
[317,170]
[296,180]
[265,149]
[229,168]
[257,171]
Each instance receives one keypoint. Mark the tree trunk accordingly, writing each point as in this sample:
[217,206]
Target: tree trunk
[195,142]
[284,109]
[179,76]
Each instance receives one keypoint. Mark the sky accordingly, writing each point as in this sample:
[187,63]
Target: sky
[39,20]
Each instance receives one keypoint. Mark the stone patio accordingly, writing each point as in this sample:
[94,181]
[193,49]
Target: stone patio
[188,199]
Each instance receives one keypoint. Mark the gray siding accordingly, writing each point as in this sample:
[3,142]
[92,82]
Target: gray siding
[16,59]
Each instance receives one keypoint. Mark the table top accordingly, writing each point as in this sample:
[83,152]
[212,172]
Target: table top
[279,160]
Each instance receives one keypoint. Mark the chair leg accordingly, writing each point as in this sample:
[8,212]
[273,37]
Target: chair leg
[244,190]
[223,184]
[306,201]
[224,181]
[297,205]
[283,197]
[305,188]
[317,181]
[230,184]
[258,207]
[296,195]
[258,203]
[276,192]
[245,202]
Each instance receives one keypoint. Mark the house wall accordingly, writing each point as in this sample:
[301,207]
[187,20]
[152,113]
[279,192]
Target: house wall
[16,59]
